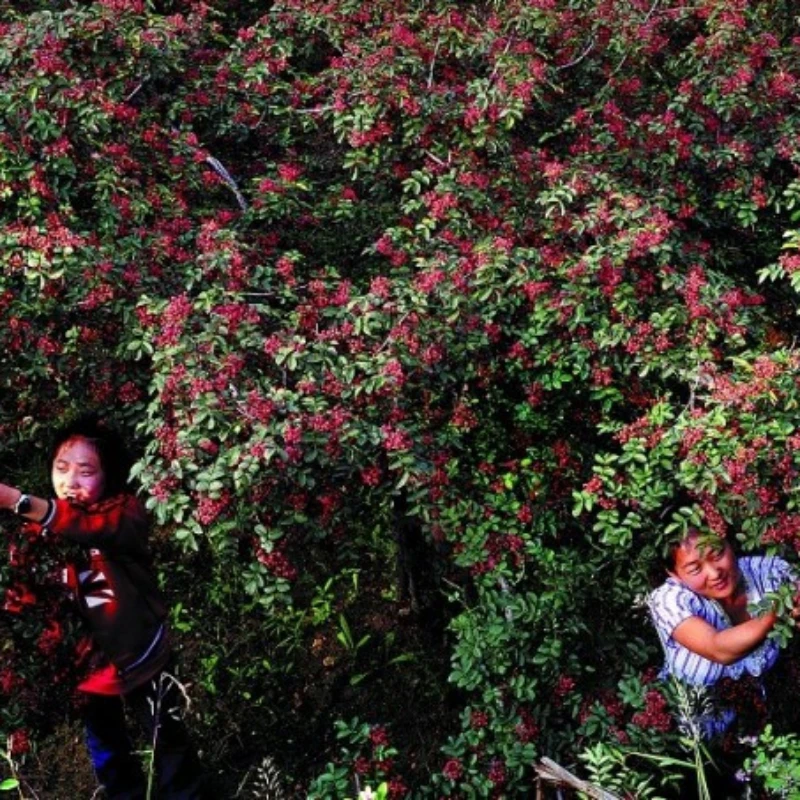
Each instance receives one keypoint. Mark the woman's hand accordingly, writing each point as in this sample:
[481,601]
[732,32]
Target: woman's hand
[9,496]
[795,612]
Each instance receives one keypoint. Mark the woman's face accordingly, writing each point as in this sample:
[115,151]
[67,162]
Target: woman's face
[77,472]
[710,571]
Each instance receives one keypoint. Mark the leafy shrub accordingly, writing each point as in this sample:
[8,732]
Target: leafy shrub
[475,287]
[774,764]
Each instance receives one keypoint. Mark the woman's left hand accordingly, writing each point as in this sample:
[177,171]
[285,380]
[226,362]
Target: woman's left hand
[795,612]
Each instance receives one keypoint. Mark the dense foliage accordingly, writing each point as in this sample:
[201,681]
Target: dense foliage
[467,288]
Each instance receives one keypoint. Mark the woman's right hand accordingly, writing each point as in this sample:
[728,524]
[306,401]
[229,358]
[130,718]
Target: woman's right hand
[8,496]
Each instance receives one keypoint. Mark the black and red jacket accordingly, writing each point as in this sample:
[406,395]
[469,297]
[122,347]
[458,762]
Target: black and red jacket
[115,588]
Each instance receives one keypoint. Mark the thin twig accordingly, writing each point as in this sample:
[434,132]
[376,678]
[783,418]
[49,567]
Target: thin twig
[137,89]
[435,158]
[497,61]
[218,167]
[580,58]
[625,57]
[548,770]
[433,63]
[390,337]
[315,110]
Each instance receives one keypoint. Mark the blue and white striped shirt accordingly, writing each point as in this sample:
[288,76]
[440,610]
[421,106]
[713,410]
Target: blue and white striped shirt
[673,603]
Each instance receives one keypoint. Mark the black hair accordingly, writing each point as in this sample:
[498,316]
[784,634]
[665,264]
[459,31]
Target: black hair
[671,551]
[682,498]
[110,446]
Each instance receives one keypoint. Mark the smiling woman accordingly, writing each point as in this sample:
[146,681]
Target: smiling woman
[703,616]
[701,612]
[113,587]
[77,473]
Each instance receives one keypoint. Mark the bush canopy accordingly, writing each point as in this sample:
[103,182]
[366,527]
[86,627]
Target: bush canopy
[426,307]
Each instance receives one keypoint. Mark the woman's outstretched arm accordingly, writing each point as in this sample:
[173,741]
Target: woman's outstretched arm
[725,646]
[37,509]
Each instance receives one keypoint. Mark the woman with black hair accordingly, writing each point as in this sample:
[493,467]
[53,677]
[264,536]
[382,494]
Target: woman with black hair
[714,629]
[702,612]
[115,589]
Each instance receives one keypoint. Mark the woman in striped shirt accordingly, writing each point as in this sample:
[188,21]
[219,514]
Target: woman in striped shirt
[704,618]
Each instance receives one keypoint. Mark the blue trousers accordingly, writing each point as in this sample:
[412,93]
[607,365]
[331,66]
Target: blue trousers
[173,771]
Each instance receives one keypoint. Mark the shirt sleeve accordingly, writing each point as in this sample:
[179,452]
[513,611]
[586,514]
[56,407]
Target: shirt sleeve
[670,605]
[769,573]
[117,522]
[781,572]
